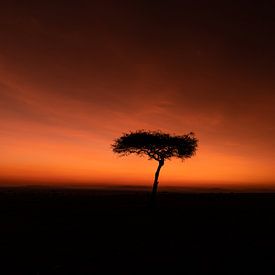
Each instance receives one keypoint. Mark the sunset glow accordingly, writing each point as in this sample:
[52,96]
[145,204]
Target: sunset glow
[68,90]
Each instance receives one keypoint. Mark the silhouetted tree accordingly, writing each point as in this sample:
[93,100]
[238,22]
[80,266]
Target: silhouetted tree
[158,146]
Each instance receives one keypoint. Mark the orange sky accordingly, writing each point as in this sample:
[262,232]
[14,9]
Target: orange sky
[74,78]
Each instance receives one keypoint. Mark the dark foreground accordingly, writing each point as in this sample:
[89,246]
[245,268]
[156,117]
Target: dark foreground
[55,231]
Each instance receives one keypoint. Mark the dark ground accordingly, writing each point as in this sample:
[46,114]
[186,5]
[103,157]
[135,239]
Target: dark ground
[69,231]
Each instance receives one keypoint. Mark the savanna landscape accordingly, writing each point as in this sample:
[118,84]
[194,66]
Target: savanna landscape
[137,137]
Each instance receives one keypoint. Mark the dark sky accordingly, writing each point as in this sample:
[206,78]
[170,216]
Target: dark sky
[76,74]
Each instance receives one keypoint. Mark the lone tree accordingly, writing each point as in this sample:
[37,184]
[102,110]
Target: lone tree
[156,145]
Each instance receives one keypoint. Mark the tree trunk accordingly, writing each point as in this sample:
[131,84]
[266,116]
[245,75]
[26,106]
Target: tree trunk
[155,185]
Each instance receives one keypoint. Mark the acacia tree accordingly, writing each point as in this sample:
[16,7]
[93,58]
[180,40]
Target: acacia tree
[156,145]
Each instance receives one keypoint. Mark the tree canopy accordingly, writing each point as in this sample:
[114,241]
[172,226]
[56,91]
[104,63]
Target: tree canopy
[156,145]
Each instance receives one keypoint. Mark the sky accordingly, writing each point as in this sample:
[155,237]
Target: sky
[75,75]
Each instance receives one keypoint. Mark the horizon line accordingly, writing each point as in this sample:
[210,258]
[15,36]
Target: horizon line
[261,188]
